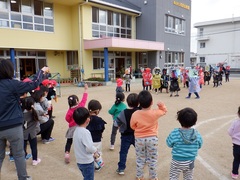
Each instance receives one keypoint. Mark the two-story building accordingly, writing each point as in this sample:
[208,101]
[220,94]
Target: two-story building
[94,38]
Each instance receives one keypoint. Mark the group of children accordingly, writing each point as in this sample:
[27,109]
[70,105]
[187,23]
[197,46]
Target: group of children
[138,125]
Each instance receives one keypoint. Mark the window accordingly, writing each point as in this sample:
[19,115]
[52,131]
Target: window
[200,31]
[26,6]
[72,59]
[109,23]
[202,59]
[27,14]
[174,25]
[3,4]
[173,59]
[98,63]
[202,45]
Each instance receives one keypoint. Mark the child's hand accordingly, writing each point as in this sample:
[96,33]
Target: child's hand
[162,106]
[96,155]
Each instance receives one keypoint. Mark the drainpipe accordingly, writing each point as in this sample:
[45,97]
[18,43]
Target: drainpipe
[81,39]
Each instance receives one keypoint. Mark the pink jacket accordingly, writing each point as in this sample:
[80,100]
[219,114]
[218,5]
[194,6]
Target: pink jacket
[69,115]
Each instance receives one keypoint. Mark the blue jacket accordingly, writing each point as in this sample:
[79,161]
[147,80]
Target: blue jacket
[11,114]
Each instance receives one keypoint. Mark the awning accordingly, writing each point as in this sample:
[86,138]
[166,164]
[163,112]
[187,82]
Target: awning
[122,44]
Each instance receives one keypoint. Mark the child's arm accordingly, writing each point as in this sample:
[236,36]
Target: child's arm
[84,97]
[231,129]
[170,140]
[112,110]
[88,143]
[162,109]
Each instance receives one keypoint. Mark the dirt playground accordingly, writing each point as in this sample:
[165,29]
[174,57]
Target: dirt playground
[216,109]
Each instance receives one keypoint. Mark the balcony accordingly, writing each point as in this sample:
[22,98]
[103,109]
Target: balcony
[203,38]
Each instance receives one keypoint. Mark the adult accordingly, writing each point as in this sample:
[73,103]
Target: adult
[11,116]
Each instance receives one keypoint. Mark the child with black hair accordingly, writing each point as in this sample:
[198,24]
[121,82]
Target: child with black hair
[84,150]
[144,122]
[114,111]
[96,126]
[46,124]
[234,133]
[30,129]
[73,102]
[185,142]
[127,133]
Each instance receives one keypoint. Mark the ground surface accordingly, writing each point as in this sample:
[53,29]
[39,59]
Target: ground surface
[216,109]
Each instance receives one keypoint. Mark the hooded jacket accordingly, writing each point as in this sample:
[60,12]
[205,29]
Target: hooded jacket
[184,143]
[11,114]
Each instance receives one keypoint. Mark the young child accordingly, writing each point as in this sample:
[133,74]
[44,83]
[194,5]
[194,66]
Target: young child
[30,129]
[144,122]
[234,133]
[185,142]
[114,111]
[119,88]
[128,77]
[194,86]
[96,126]
[84,150]
[73,103]
[127,133]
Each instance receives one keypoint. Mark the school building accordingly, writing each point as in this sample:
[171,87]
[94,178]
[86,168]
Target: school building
[94,38]
[219,41]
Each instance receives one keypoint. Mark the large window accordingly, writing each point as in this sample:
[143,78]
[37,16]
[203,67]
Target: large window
[27,14]
[174,25]
[173,59]
[202,59]
[111,24]
[72,60]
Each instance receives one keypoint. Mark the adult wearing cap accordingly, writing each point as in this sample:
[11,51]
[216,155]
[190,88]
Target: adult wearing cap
[11,116]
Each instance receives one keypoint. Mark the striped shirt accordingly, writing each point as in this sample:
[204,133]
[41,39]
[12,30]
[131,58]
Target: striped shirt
[184,143]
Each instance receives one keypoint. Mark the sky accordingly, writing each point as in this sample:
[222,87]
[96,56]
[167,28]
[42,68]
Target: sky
[207,10]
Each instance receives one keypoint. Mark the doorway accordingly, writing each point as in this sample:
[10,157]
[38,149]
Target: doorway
[27,67]
[119,67]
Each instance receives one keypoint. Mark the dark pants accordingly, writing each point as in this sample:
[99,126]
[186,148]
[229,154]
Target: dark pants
[127,87]
[68,144]
[46,129]
[33,146]
[236,158]
[126,142]
[113,134]
[197,95]
[87,170]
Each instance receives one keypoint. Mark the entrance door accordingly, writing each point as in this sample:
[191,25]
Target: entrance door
[27,68]
[119,67]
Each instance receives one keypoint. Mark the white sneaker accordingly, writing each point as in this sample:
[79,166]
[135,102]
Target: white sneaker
[36,162]
[111,147]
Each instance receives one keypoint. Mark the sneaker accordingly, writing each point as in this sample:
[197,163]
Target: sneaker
[197,97]
[187,97]
[111,147]
[36,162]
[28,178]
[234,176]
[11,159]
[120,172]
[45,141]
[28,156]
[98,168]
[67,158]
[51,139]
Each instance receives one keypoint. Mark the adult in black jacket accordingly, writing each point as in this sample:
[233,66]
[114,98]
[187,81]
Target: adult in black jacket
[11,116]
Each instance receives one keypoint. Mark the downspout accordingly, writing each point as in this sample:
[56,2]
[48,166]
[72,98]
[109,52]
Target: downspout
[81,40]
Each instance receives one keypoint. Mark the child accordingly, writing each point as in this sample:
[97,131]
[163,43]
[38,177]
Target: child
[114,111]
[119,88]
[96,126]
[46,124]
[185,142]
[84,149]
[128,78]
[73,103]
[127,133]
[144,122]
[174,85]
[234,133]
[30,126]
